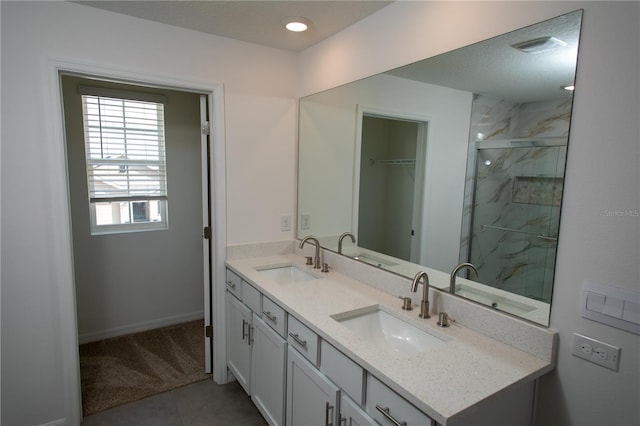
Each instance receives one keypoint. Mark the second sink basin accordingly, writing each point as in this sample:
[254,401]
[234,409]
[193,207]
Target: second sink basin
[286,274]
[388,332]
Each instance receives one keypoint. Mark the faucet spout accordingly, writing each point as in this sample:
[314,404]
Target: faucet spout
[345,234]
[424,305]
[316,259]
[452,280]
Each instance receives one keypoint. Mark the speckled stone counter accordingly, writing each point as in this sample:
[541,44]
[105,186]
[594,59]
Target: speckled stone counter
[444,382]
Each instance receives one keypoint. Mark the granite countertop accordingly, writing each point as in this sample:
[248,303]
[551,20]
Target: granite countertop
[445,382]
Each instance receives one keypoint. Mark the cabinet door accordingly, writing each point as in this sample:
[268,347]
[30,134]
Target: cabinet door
[268,372]
[239,341]
[311,398]
[352,415]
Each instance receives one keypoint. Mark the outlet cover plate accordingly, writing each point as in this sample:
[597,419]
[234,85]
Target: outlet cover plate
[595,351]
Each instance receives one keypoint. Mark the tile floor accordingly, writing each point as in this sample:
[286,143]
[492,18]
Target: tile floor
[200,404]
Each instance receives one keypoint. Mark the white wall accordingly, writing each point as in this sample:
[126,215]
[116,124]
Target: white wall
[260,114]
[602,171]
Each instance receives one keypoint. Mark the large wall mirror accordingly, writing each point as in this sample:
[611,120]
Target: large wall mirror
[458,158]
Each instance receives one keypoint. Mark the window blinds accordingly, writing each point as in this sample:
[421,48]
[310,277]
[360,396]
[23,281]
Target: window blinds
[125,149]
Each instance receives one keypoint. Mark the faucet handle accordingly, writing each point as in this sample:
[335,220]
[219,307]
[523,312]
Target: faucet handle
[325,267]
[406,304]
[443,319]
[309,260]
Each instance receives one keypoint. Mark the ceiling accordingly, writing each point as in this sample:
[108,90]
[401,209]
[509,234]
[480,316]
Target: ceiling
[495,68]
[251,21]
[490,67]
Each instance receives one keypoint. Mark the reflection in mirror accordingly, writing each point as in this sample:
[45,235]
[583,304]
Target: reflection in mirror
[457,158]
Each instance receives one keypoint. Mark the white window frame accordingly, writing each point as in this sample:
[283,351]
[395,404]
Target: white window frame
[161,197]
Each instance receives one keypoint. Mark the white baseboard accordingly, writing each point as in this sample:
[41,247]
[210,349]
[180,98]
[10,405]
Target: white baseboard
[141,326]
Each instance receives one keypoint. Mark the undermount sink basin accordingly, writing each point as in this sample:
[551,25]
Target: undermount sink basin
[388,332]
[493,300]
[373,260]
[286,274]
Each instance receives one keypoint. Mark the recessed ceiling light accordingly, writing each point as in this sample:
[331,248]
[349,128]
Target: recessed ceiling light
[539,45]
[569,88]
[297,24]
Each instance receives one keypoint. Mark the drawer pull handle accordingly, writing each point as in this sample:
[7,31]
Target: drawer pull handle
[267,314]
[298,340]
[327,407]
[385,412]
[231,284]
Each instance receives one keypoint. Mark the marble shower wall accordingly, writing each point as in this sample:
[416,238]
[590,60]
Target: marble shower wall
[518,188]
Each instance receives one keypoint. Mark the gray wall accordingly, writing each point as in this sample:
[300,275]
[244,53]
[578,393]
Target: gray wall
[139,280]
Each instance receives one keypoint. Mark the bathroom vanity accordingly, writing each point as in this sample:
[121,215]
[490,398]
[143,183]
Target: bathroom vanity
[318,348]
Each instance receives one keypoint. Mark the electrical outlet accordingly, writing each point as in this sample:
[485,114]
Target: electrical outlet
[305,221]
[595,351]
[285,223]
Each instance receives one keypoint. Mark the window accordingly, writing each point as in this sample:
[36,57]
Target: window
[126,165]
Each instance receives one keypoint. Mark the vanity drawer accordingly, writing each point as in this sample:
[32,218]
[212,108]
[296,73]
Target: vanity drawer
[251,297]
[382,398]
[303,339]
[274,316]
[345,373]
[234,283]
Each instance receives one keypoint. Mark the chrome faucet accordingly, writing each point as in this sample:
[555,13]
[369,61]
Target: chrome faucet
[424,305]
[316,259]
[345,234]
[452,280]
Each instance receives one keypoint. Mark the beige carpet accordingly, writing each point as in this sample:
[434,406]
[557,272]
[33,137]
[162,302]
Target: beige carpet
[127,368]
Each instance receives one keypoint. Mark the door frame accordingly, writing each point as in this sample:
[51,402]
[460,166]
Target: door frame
[61,214]
[422,176]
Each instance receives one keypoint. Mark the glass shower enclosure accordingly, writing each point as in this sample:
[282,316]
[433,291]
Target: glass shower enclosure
[516,214]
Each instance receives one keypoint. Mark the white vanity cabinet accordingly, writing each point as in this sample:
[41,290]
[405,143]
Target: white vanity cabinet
[311,398]
[285,362]
[239,323]
[268,371]
[256,352]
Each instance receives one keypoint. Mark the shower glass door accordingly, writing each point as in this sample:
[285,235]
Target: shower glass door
[516,215]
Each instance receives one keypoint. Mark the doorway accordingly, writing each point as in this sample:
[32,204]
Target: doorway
[133,280]
[391,185]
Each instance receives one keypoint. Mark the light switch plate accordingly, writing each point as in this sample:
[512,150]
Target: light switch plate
[305,221]
[285,223]
[595,351]
[611,305]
